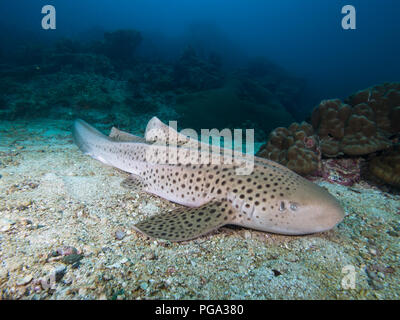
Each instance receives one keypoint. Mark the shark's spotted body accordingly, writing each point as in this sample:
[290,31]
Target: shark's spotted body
[272,198]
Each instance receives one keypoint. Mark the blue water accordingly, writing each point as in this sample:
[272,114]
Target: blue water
[303,41]
[304,36]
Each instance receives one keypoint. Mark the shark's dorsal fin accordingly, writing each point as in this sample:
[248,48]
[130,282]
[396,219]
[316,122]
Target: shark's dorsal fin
[122,136]
[159,132]
[188,223]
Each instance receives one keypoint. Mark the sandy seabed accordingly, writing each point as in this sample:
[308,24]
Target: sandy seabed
[66,233]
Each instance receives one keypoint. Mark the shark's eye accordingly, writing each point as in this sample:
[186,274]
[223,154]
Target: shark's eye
[282,206]
[293,206]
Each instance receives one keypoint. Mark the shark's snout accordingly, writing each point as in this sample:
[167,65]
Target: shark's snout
[328,214]
[319,210]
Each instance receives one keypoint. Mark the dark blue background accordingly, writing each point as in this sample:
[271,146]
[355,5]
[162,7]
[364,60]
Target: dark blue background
[304,36]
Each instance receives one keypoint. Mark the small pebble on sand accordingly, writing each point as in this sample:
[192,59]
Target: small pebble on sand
[119,234]
[25,280]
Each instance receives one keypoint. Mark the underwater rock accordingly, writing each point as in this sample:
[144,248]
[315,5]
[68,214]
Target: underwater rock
[59,272]
[78,63]
[66,250]
[11,76]
[120,45]
[345,172]
[225,108]
[49,282]
[296,147]
[193,73]
[72,258]
[24,281]
[284,87]
[260,66]
[384,102]
[5,224]
[148,81]
[254,91]
[3,102]
[24,108]
[387,168]
[328,119]
[30,53]
[369,123]
[81,93]
[67,45]
[142,106]
[119,234]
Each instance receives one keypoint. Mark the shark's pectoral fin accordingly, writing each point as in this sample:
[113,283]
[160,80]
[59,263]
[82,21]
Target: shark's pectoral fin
[133,182]
[188,223]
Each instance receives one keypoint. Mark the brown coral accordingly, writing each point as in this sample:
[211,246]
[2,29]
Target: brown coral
[387,168]
[363,125]
[383,100]
[369,121]
[362,137]
[295,147]
[329,120]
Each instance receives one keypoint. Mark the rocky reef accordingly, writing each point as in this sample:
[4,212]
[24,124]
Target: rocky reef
[194,74]
[109,76]
[296,148]
[230,108]
[366,124]
[107,81]
[363,125]
[387,168]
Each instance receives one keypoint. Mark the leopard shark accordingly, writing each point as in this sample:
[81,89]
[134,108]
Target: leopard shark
[211,192]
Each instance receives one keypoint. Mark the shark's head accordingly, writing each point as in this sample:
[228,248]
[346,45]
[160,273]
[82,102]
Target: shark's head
[312,209]
[286,203]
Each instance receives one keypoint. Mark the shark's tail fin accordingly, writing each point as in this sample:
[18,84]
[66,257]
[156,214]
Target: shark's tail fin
[86,137]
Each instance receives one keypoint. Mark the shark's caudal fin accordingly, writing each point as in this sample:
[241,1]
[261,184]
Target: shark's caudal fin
[85,137]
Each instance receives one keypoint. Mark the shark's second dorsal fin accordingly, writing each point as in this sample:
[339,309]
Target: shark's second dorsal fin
[122,136]
[188,223]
